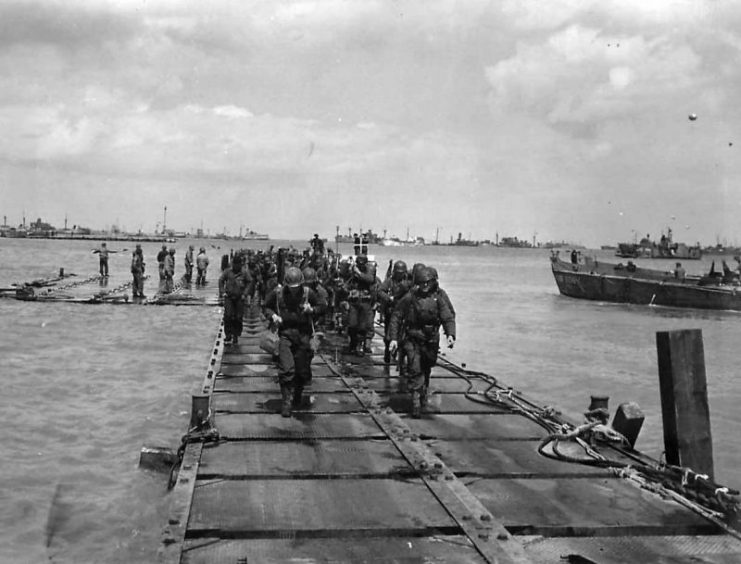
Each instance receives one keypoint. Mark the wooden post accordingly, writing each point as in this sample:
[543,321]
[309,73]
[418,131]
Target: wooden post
[684,400]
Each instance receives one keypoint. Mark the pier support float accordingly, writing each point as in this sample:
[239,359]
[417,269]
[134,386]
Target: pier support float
[628,421]
[200,411]
[684,400]
[157,458]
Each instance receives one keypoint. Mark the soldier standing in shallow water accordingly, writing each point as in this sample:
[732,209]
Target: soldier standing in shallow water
[415,326]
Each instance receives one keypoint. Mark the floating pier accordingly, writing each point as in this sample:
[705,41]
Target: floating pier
[486,475]
[96,289]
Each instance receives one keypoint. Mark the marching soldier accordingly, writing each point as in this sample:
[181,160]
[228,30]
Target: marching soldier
[389,293]
[360,287]
[291,307]
[234,285]
[415,326]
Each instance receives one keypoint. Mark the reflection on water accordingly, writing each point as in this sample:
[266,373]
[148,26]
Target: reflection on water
[85,386]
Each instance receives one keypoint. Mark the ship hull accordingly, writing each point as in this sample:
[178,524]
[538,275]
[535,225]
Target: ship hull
[643,287]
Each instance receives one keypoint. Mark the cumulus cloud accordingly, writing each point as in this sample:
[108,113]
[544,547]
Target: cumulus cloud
[580,74]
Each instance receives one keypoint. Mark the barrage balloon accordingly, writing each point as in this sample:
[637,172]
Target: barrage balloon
[692,117]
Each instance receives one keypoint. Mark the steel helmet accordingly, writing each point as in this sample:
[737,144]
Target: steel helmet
[422,276]
[309,275]
[433,272]
[362,259]
[400,267]
[416,268]
[293,277]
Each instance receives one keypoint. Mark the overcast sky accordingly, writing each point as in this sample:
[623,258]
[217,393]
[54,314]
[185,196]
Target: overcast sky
[565,118]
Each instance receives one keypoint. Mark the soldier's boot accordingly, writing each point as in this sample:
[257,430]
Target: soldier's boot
[287,397]
[423,398]
[297,397]
[235,339]
[416,405]
[386,354]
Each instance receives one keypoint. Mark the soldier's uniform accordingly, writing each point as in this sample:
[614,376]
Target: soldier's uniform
[234,285]
[137,271]
[415,326]
[292,306]
[390,292]
[360,297]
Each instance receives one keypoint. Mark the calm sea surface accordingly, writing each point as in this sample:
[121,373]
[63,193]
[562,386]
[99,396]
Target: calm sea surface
[85,386]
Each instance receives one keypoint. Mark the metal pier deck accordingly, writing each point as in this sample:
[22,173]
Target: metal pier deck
[352,478]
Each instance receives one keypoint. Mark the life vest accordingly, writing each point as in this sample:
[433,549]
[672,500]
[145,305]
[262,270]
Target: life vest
[283,303]
[424,311]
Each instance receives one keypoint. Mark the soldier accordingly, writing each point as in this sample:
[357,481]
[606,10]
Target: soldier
[436,288]
[415,323]
[360,288]
[201,265]
[311,281]
[291,307]
[389,293]
[137,271]
[103,251]
[189,264]
[161,267]
[317,245]
[234,285]
[170,271]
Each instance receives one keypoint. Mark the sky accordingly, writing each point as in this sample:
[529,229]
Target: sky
[560,120]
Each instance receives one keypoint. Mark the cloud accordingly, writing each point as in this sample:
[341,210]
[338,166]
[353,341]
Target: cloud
[579,75]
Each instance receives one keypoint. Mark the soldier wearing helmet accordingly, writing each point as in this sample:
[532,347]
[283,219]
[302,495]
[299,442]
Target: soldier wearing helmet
[161,268]
[389,293]
[234,286]
[312,281]
[291,308]
[436,288]
[415,326]
[361,289]
[169,268]
[201,267]
[189,264]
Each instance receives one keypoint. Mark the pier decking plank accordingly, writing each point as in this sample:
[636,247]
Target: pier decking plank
[437,549]
[350,477]
[584,507]
[268,403]
[282,459]
[301,426]
[309,507]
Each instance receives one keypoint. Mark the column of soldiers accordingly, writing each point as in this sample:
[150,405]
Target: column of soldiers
[346,294]
[302,291]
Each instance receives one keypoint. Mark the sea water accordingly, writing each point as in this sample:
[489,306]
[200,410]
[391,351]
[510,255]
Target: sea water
[86,386]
